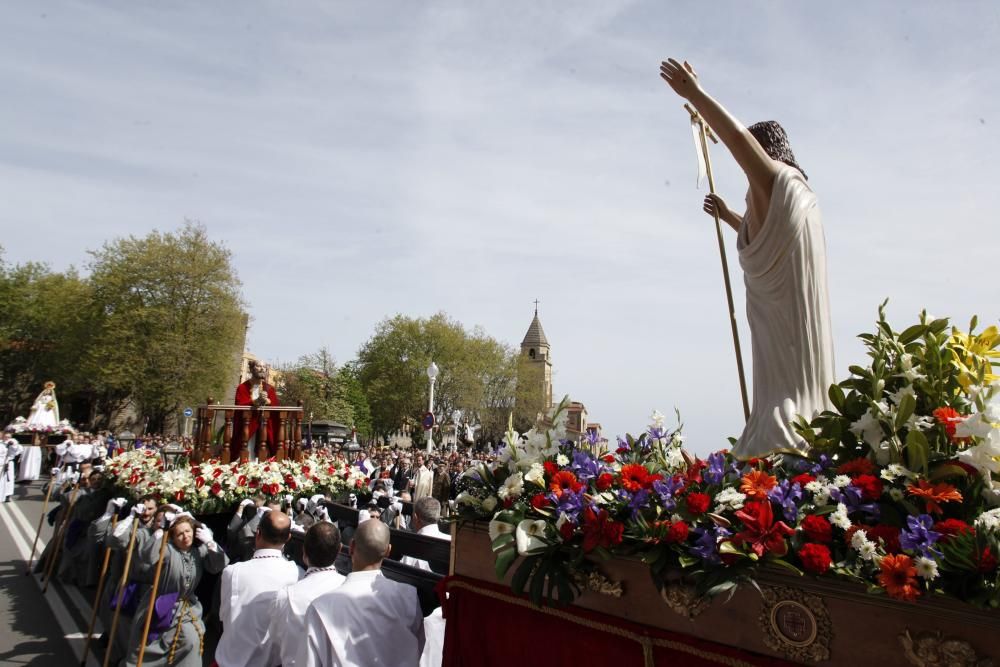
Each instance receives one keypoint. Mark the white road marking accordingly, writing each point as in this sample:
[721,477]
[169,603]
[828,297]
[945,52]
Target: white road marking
[73,636]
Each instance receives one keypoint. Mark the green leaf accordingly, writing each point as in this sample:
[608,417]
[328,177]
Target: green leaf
[837,397]
[721,588]
[918,451]
[687,560]
[521,574]
[910,334]
[504,560]
[947,470]
[502,542]
[785,564]
[538,582]
[905,410]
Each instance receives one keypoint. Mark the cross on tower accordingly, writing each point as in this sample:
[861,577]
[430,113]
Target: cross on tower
[536,306]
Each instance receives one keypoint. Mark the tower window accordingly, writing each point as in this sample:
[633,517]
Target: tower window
[531,353]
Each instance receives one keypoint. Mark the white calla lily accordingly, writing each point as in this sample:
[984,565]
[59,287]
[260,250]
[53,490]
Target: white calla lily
[528,536]
[498,528]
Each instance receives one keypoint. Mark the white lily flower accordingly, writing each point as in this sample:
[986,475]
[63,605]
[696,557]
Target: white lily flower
[490,503]
[498,528]
[868,428]
[535,474]
[512,487]
[528,536]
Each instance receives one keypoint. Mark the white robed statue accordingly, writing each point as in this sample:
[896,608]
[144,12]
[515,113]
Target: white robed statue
[783,255]
[45,410]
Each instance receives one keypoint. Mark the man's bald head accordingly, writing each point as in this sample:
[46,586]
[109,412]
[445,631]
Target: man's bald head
[274,530]
[370,545]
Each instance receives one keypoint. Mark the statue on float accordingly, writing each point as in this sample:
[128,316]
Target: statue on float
[45,410]
[783,255]
[255,392]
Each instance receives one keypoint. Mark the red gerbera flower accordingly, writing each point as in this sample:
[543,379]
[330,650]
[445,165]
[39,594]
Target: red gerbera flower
[815,558]
[539,501]
[634,477]
[899,577]
[604,481]
[550,468]
[564,481]
[987,562]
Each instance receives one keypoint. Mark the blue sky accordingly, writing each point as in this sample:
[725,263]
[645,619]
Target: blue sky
[367,159]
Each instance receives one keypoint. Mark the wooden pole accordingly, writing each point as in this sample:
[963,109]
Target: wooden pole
[703,133]
[58,537]
[152,598]
[120,592]
[45,506]
[100,591]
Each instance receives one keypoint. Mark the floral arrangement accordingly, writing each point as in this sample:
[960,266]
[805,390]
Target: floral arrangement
[899,492]
[213,486]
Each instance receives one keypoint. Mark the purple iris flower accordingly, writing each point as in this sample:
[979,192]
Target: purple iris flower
[667,489]
[592,437]
[787,496]
[918,536]
[584,466]
[623,444]
[638,501]
[570,503]
[716,471]
[706,543]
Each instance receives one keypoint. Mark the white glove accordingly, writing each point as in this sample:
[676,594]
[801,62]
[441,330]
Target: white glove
[398,506]
[175,508]
[118,502]
[54,472]
[139,509]
[158,534]
[302,504]
[204,535]
[245,502]
[363,516]
[298,529]
[168,517]
[110,508]
[322,514]
[289,499]
[262,510]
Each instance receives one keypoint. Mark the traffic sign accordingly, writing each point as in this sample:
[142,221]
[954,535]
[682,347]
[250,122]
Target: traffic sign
[428,420]
[188,412]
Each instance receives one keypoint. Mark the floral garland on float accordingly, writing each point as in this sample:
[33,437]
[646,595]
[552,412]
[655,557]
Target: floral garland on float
[900,491]
[20,425]
[212,486]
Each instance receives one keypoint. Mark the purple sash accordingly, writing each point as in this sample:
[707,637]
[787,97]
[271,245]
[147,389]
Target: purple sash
[163,614]
[129,599]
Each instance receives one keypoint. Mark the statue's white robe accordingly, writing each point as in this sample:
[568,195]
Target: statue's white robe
[788,307]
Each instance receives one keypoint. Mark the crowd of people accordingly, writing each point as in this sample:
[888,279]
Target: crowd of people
[273,610]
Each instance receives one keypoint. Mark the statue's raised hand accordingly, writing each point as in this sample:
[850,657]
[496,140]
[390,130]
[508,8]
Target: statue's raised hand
[681,78]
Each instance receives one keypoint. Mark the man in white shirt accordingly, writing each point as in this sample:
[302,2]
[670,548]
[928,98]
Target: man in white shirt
[369,620]
[426,512]
[248,593]
[320,548]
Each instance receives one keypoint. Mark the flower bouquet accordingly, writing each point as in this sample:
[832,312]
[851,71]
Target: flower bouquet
[899,491]
[213,487]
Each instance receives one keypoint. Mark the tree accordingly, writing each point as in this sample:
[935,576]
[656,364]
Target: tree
[47,320]
[172,321]
[314,380]
[475,377]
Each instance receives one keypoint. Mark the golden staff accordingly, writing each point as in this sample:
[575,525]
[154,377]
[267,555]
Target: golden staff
[152,598]
[100,590]
[120,592]
[705,133]
[45,506]
[61,533]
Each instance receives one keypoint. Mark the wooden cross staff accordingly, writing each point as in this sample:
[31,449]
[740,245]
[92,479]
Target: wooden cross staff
[704,134]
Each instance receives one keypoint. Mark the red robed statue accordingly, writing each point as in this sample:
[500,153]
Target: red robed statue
[256,392]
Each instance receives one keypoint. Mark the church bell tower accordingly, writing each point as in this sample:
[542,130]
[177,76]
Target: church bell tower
[536,367]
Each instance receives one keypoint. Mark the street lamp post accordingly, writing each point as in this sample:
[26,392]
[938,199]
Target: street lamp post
[432,373]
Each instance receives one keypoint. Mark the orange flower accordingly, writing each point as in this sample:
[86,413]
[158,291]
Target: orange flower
[934,494]
[564,481]
[899,577]
[757,483]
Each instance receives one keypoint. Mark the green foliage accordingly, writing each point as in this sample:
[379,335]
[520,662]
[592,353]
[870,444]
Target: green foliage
[326,391]
[476,373]
[172,320]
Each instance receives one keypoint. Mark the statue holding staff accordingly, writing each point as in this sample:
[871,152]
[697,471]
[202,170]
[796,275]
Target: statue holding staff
[783,256]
